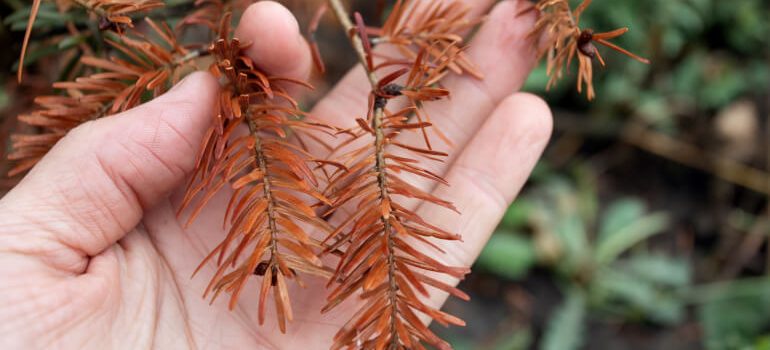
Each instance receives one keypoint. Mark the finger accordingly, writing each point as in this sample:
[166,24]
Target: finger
[351,95]
[277,45]
[488,175]
[93,187]
[505,56]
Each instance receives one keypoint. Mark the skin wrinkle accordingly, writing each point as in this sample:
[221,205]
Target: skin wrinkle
[118,181]
[176,132]
[30,300]
[97,283]
[174,108]
[166,268]
[76,319]
[141,291]
[172,169]
[181,304]
[158,297]
[120,265]
[134,174]
[77,266]
[43,252]
[146,301]
[240,316]
[130,195]
[64,191]
[103,209]
[67,313]
[484,183]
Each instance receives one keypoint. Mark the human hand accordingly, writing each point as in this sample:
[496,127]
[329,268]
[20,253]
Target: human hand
[93,256]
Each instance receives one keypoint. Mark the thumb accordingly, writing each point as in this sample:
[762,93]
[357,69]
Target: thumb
[95,184]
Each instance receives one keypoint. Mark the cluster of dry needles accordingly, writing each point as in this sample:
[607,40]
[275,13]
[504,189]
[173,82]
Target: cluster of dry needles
[385,254]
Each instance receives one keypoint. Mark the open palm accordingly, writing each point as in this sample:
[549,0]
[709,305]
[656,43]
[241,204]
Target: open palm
[92,255]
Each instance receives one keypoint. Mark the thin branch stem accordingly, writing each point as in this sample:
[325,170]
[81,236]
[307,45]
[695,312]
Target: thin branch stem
[380,166]
[388,231]
[344,18]
[261,164]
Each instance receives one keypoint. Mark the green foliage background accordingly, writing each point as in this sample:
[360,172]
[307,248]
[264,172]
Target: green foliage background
[602,221]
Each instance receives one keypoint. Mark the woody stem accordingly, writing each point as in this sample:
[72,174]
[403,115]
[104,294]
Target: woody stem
[344,18]
[380,165]
[261,164]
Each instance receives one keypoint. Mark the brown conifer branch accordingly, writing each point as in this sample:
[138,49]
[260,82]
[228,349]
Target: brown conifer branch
[267,191]
[269,176]
[390,276]
[380,163]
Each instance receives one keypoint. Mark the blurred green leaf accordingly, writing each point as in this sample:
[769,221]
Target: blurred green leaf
[644,287]
[4,99]
[566,327]
[658,269]
[537,80]
[625,225]
[735,316]
[71,41]
[620,214]
[558,214]
[458,343]
[14,4]
[763,343]
[508,255]
[518,340]
[588,202]
[517,214]
[48,16]
[37,53]
[636,299]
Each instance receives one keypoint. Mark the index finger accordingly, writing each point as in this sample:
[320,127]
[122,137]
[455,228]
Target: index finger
[277,46]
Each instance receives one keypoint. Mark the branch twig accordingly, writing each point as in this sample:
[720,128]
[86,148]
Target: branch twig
[344,18]
[380,164]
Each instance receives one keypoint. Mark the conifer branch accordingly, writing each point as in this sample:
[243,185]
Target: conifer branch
[377,259]
[268,176]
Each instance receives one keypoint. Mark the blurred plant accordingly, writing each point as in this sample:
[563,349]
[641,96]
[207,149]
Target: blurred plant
[733,314]
[591,253]
[112,14]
